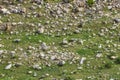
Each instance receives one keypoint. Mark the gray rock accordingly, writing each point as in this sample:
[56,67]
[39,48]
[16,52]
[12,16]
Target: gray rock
[37,1]
[117,20]
[76,31]
[61,63]
[40,30]
[66,1]
[20,1]
[64,42]
[18,64]
[16,40]
[12,54]
[44,46]
[99,55]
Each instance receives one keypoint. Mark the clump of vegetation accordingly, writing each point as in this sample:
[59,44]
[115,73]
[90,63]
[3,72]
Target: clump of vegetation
[84,51]
[67,1]
[52,0]
[117,61]
[68,78]
[90,2]
[108,65]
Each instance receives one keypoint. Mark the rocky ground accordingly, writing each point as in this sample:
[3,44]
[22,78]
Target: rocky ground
[59,40]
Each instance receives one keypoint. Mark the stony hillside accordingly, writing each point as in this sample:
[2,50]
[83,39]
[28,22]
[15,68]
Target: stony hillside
[59,40]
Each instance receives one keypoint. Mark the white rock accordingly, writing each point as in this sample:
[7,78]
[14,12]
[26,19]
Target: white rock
[1,52]
[53,57]
[64,42]
[5,11]
[109,7]
[98,55]
[36,66]
[30,72]
[82,60]
[35,74]
[8,66]
[112,79]
[117,20]
[1,45]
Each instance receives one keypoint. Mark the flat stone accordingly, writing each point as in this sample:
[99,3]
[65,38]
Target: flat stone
[8,66]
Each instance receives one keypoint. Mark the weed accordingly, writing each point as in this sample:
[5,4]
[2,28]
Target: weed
[84,51]
[68,78]
[108,65]
[117,61]
[90,2]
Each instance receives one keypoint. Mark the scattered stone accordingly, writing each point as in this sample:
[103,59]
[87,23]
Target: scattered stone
[36,66]
[82,60]
[80,68]
[12,54]
[61,63]
[29,72]
[18,64]
[40,30]
[117,20]
[64,42]
[109,7]
[113,57]
[99,55]
[47,74]
[8,66]
[1,52]
[2,75]
[1,45]
[43,76]
[4,11]
[66,1]
[76,31]
[44,46]
[80,25]
[16,40]
[5,27]
[35,74]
